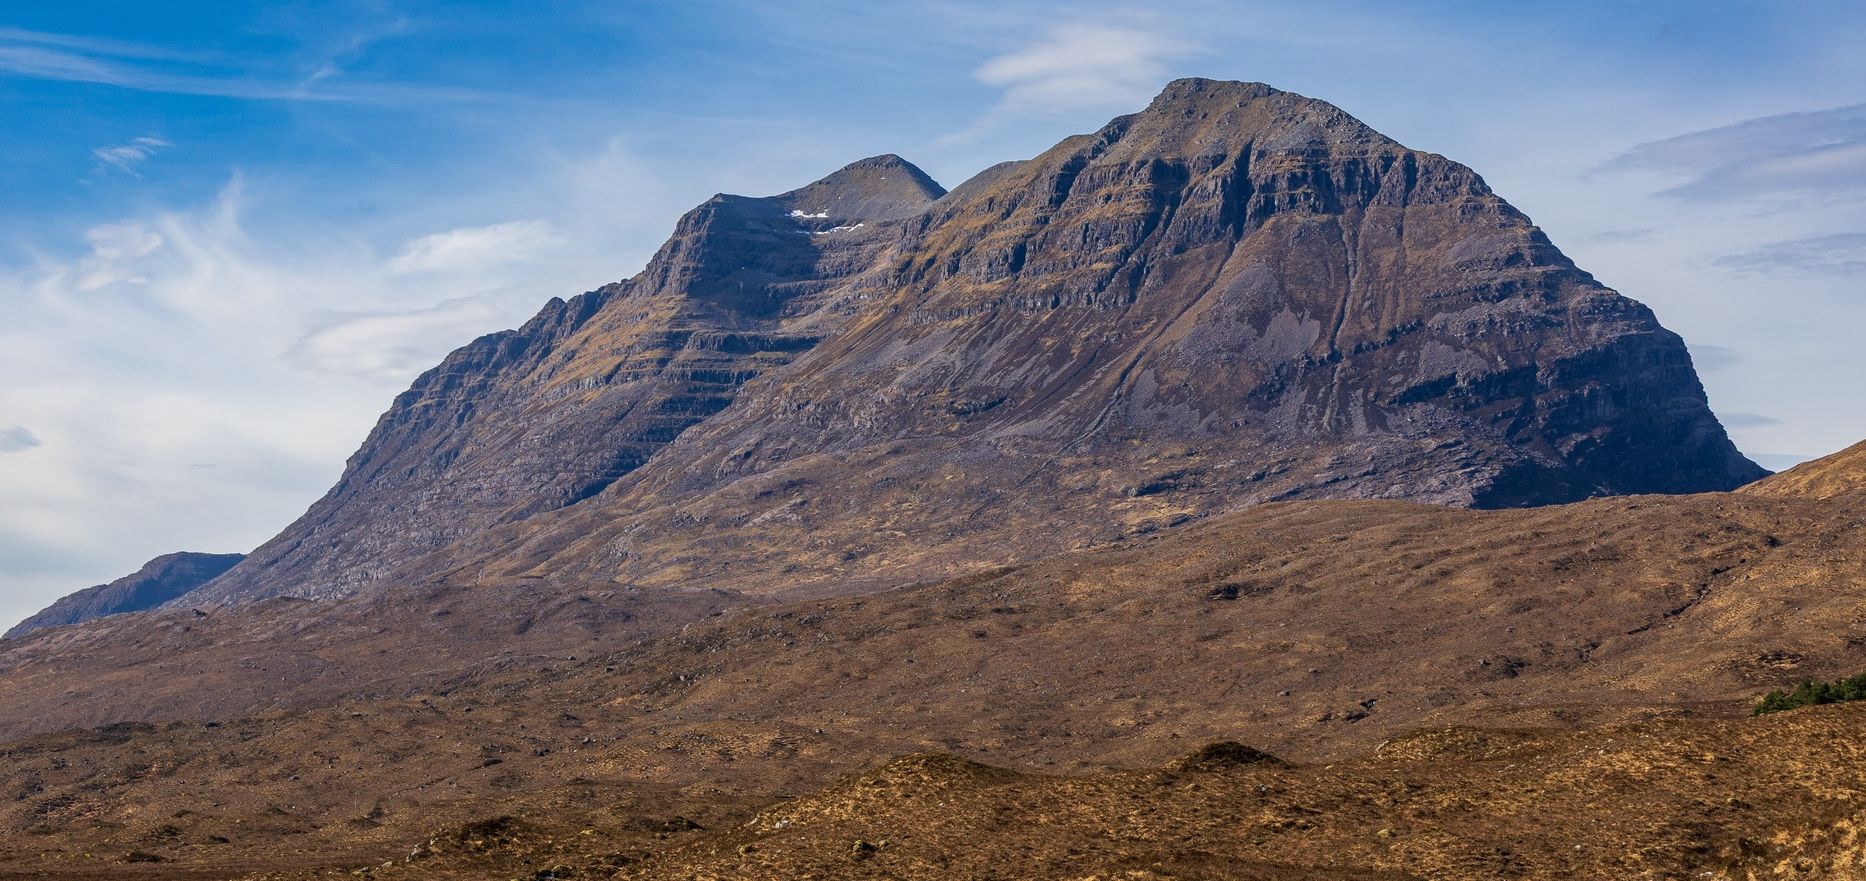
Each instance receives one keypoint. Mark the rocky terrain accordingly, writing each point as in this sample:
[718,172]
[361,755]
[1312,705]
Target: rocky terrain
[1601,651]
[164,579]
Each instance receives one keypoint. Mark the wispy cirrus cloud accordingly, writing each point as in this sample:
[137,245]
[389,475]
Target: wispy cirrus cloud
[1822,150]
[126,157]
[1747,420]
[66,58]
[1708,357]
[96,45]
[1078,67]
[475,248]
[1841,254]
[1622,236]
[391,346]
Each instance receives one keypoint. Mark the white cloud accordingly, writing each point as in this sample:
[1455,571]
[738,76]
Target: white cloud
[476,248]
[204,382]
[115,250]
[1082,66]
[18,439]
[139,383]
[125,157]
[391,346]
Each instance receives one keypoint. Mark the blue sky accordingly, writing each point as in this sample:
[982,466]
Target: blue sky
[232,231]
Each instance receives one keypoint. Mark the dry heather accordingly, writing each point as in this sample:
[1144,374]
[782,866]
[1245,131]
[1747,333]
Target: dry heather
[1589,657]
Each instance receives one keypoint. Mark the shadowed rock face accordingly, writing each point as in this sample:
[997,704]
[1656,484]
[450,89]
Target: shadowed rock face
[163,579]
[1234,296]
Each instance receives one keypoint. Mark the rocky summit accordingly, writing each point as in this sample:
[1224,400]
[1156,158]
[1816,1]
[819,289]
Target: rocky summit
[1234,296]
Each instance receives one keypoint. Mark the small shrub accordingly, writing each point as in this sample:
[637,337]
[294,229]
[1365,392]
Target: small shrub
[1810,693]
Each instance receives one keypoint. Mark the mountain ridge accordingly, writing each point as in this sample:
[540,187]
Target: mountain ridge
[896,379]
[1235,295]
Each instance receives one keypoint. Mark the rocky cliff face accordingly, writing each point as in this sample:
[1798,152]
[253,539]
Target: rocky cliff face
[1236,295]
[170,577]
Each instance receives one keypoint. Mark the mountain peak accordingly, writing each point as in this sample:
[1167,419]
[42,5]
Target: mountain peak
[1195,117]
[1199,88]
[878,188]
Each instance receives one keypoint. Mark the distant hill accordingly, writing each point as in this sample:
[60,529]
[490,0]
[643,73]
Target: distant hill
[163,579]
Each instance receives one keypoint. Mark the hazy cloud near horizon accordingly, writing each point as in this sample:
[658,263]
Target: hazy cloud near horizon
[1821,151]
[1839,254]
[236,237]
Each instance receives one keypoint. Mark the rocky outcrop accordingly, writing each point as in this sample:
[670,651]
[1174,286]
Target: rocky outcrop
[164,579]
[1236,295]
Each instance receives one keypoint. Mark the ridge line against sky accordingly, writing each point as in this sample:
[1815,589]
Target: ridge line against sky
[237,230]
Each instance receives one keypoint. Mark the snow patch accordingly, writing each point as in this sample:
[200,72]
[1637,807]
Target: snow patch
[798,212]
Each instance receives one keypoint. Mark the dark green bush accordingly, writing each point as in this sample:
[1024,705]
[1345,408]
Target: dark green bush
[1809,693]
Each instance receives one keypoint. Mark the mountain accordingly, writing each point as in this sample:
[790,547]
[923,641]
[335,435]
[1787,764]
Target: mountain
[170,577]
[1235,296]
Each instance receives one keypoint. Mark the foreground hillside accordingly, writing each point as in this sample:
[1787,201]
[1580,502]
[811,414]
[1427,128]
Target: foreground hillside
[1772,797]
[1318,631]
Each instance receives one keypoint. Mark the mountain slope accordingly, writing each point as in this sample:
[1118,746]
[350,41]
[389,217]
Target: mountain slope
[1234,296]
[526,421]
[169,577]
[1843,473]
